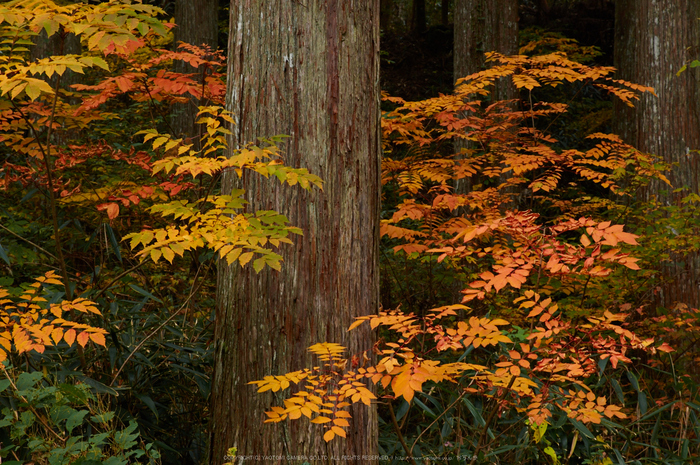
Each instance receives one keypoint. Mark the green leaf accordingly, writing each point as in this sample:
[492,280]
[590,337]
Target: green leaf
[145,293]
[475,413]
[618,391]
[149,402]
[102,417]
[633,380]
[582,428]
[113,241]
[4,256]
[28,380]
[549,451]
[642,400]
[620,458]
[76,419]
[259,264]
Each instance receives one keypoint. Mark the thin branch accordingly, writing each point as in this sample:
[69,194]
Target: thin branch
[36,414]
[436,419]
[120,276]
[400,436]
[29,242]
[46,153]
[492,415]
[194,290]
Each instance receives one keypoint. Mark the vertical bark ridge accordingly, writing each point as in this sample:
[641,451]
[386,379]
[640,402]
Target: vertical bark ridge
[653,39]
[309,70]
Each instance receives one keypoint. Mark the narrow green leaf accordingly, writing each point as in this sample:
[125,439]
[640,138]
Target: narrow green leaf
[618,391]
[113,241]
[642,400]
[582,428]
[633,380]
[4,256]
[620,458]
[145,293]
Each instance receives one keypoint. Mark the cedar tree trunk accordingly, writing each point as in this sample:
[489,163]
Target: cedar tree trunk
[653,39]
[196,22]
[309,70]
[482,26]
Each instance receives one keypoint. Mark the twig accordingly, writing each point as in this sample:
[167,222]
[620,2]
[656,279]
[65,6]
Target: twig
[46,153]
[36,414]
[400,436]
[120,276]
[436,419]
[29,242]
[195,288]
[489,420]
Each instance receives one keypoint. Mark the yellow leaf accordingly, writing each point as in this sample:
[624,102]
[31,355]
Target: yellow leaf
[57,335]
[338,431]
[83,338]
[320,420]
[69,337]
[98,338]
[357,323]
[245,258]
[155,255]
[168,254]
[341,422]
[328,436]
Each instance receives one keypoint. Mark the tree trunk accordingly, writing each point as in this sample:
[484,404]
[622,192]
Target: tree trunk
[197,25]
[386,7]
[419,20]
[482,26]
[309,70]
[445,12]
[653,39]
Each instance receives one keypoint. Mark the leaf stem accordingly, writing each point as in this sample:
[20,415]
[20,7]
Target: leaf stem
[29,405]
[492,415]
[400,436]
[436,419]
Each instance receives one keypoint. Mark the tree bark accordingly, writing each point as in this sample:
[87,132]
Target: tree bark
[419,19]
[653,39]
[196,22]
[482,26]
[445,12]
[309,70]
[386,7]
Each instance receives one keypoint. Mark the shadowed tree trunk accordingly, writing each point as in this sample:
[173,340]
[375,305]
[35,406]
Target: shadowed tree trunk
[482,26]
[386,7]
[419,20]
[197,25]
[309,70]
[653,39]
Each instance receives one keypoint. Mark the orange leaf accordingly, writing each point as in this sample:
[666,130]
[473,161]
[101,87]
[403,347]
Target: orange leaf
[98,338]
[338,431]
[69,337]
[83,338]
[665,347]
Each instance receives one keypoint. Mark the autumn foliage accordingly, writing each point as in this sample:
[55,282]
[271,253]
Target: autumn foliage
[534,332]
[544,346]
